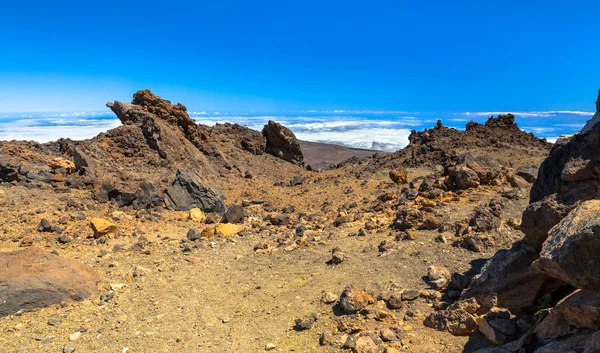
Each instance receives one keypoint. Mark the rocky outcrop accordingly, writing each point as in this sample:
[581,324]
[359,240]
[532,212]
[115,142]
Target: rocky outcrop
[572,250]
[282,143]
[189,191]
[508,281]
[32,279]
[558,253]
[441,145]
[9,172]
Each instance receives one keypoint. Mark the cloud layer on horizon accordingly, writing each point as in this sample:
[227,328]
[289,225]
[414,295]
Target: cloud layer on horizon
[381,130]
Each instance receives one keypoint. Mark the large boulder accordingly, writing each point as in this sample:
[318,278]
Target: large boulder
[572,250]
[282,143]
[32,279]
[539,217]
[8,171]
[508,281]
[189,191]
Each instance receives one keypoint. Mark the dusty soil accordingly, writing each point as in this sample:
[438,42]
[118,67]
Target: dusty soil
[224,296]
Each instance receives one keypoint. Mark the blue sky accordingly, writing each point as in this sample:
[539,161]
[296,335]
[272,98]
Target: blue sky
[293,55]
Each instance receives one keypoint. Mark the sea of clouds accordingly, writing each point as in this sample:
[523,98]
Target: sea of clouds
[376,130]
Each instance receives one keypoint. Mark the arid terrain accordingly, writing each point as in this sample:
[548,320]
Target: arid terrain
[224,239]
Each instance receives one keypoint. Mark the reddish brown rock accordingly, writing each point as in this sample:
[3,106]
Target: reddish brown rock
[539,217]
[572,251]
[32,279]
[399,176]
[581,309]
[458,322]
[553,326]
[354,299]
[282,143]
[509,279]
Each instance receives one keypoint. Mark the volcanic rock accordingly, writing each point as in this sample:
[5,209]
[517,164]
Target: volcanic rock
[354,299]
[103,228]
[508,279]
[8,171]
[282,143]
[539,217]
[438,277]
[32,279]
[234,214]
[399,176]
[280,220]
[188,191]
[458,322]
[572,251]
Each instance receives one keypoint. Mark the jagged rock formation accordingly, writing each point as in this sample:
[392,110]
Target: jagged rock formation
[441,145]
[133,165]
[282,143]
[560,253]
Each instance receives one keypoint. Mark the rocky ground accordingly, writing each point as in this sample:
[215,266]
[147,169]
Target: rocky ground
[167,236]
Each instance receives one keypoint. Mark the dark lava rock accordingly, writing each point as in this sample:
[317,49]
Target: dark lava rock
[306,323]
[235,214]
[337,256]
[193,235]
[282,143]
[188,191]
[280,220]
[64,239]
[572,251]
[44,226]
[297,180]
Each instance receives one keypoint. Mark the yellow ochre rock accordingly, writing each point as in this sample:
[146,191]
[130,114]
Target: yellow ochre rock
[197,215]
[103,228]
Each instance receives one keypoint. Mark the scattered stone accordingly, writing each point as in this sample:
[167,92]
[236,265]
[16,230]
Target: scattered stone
[64,239]
[235,214]
[197,215]
[44,226]
[269,346]
[365,344]
[354,299]
[388,335]
[329,298]
[193,235]
[228,229]
[53,321]
[280,220]
[69,349]
[282,143]
[306,323]
[399,176]
[458,322]
[103,228]
[326,338]
[297,180]
[61,163]
[337,256]
[74,336]
[438,277]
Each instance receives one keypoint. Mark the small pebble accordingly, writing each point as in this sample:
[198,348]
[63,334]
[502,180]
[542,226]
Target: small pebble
[69,349]
[74,336]
[269,346]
